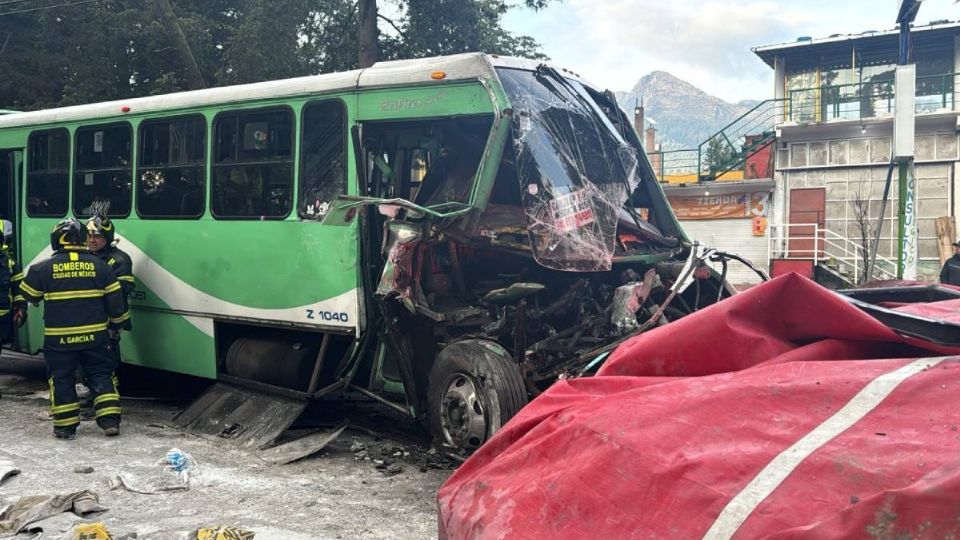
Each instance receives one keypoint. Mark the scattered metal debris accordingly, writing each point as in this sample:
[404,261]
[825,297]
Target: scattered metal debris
[301,447]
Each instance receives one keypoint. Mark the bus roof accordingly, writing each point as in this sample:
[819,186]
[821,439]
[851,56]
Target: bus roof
[469,66]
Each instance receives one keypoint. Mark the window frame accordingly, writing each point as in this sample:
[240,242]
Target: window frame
[69,173]
[298,172]
[294,158]
[205,164]
[132,167]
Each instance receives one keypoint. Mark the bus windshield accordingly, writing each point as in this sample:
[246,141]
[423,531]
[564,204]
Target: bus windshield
[574,169]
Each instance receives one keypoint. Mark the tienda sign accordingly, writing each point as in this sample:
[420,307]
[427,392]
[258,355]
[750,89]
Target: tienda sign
[726,206]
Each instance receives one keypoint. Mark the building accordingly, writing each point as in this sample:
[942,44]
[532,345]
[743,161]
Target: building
[721,191]
[836,98]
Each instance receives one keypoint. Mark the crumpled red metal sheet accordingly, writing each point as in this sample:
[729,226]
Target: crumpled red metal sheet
[783,412]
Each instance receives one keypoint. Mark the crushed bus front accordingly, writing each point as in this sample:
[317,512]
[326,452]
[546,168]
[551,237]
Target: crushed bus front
[511,249]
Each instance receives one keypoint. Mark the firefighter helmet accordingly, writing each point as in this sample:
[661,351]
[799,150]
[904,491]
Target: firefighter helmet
[68,233]
[101,225]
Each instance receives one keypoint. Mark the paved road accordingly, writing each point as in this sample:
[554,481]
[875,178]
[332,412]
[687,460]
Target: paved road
[337,494]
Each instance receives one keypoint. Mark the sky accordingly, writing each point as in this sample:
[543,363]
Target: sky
[706,42]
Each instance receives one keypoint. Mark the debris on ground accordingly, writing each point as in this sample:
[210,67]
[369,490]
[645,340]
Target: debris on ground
[302,447]
[326,495]
[92,531]
[223,533]
[149,486]
[83,469]
[7,470]
[182,464]
[32,508]
[388,457]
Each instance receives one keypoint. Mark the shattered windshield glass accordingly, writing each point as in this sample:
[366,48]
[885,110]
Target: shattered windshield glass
[574,169]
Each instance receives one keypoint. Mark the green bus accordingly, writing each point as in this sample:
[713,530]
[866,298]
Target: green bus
[447,236]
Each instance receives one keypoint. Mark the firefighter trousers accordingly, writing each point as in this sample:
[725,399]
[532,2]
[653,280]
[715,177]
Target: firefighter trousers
[99,369]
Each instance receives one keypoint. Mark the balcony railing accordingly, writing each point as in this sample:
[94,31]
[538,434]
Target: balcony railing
[860,101]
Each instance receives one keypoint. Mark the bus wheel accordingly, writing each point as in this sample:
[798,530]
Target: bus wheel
[475,387]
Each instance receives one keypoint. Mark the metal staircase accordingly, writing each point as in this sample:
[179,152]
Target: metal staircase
[729,148]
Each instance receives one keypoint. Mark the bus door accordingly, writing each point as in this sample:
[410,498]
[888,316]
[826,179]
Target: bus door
[11,166]
[11,183]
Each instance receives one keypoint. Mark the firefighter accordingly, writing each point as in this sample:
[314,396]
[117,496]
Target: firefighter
[101,241]
[83,302]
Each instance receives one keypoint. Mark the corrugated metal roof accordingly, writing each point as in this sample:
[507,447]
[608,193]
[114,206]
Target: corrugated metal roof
[806,45]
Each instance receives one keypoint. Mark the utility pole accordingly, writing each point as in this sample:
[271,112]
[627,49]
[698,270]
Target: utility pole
[903,145]
[169,18]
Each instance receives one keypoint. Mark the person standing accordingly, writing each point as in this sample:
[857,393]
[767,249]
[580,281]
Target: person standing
[101,241]
[950,274]
[83,301]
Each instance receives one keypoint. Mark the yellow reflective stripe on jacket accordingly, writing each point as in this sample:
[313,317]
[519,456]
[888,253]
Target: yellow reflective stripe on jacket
[108,410]
[70,407]
[67,421]
[30,290]
[112,287]
[120,319]
[73,295]
[105,397]
[126,278]
[4,312]
[67,330]
[17,277]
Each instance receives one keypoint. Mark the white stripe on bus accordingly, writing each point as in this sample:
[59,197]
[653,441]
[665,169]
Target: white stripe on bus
[740,507]
[179,294]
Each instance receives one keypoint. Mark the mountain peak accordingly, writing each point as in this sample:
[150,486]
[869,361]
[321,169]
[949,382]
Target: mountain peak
[686,115]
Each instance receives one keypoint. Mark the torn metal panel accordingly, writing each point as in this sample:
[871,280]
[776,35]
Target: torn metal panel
[246,417]
[308,445]
[401,270]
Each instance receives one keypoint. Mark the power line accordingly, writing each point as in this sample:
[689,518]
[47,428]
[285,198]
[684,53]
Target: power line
[48,7]
[8,2]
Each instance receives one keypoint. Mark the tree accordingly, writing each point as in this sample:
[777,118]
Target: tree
[116,49]
[860,204]
[719,156]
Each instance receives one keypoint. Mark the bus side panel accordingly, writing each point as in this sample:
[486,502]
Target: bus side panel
[172,343]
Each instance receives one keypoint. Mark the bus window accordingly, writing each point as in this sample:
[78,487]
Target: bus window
[253,165]
[48,159]
[101,172]
[323,157]
[170,168]
[6,185]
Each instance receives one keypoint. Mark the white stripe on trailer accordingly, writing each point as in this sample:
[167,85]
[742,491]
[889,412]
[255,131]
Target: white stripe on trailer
[740,507]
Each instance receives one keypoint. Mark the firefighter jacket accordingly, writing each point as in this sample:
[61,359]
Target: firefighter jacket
[16,276]
[6,284]
[82,299]
[122,266]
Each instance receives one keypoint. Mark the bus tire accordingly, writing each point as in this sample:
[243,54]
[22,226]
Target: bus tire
[475,388]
